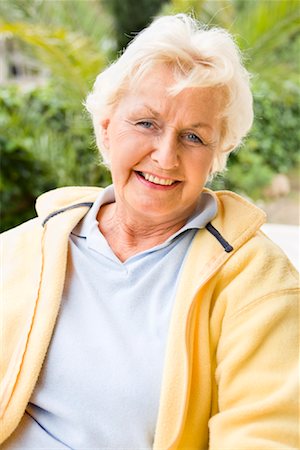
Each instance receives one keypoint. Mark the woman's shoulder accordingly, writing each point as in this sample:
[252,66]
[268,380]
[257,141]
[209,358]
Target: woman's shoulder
[16,235]
[262,256]
[258,273]
[50,202]
[64,197]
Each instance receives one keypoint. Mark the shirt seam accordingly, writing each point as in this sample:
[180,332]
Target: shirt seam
[264,297]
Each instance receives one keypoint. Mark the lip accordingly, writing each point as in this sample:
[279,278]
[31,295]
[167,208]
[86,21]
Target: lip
[151,185]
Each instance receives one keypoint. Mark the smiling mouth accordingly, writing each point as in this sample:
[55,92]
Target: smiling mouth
[156,180]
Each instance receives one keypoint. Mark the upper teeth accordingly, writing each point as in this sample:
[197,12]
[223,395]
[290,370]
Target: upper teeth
[157,180]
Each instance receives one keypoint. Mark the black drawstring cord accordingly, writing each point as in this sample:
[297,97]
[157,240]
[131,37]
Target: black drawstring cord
[78,205]
[227,247]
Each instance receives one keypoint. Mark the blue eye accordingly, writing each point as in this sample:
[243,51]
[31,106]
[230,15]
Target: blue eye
[193,138]
[145,124]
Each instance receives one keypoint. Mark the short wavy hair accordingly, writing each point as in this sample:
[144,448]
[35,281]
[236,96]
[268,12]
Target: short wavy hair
[200,57]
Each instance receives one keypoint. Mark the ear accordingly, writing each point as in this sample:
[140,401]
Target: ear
[230,148]
[104,132]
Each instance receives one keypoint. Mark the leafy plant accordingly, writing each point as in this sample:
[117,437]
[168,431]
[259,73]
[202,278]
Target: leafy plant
[23,178]
[264,30]
[271,147]
[44,144]
[130,17]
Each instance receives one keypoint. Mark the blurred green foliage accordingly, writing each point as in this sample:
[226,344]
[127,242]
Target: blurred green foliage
[44,144]
[271,147]
[131,16]
[23,177]
[46,138]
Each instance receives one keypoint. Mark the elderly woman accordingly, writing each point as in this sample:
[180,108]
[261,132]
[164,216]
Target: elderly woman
[153,313]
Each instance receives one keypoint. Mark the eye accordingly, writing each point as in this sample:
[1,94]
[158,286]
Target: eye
[192,137]
[145,124]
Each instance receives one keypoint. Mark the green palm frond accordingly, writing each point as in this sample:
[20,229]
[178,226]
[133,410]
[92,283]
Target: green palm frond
[264,30]
[88,17]
[183,6]
[72,58]
[264,26]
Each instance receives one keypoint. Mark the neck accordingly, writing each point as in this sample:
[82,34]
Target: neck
[129,235]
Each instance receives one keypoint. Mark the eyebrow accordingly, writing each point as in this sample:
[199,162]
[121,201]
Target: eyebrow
[201,125]
[157,114]
[148,108]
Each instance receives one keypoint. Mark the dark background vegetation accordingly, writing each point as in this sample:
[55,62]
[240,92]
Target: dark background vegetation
[46,137]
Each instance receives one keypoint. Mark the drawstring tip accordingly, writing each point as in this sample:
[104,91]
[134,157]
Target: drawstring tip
[227,247]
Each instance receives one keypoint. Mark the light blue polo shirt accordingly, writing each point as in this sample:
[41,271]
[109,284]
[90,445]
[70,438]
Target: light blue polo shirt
[100,384]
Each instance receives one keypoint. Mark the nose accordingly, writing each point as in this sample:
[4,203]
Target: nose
[165,151]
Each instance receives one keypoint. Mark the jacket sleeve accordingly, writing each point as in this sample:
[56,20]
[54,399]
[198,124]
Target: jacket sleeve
[257,369]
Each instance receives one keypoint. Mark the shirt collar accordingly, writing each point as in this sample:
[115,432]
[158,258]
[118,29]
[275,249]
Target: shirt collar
[89,221]
[88,227]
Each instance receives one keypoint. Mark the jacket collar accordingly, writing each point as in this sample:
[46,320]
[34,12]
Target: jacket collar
[237,219]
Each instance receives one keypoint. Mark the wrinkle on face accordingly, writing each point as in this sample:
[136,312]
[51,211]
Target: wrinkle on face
[134,149]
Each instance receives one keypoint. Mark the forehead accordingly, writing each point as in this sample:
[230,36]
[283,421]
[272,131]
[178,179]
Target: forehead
[152,93]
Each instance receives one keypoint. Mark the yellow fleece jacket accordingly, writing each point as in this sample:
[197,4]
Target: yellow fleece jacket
[230,375]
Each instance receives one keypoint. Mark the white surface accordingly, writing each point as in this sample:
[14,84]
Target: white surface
[287,237]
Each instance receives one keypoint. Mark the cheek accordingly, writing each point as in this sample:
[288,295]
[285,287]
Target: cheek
[200,164]
[131,149]
[125,154]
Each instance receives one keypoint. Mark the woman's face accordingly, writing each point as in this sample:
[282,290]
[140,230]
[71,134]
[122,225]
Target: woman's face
[161,147]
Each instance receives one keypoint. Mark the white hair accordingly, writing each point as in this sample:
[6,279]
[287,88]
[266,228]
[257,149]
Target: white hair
[199,56]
